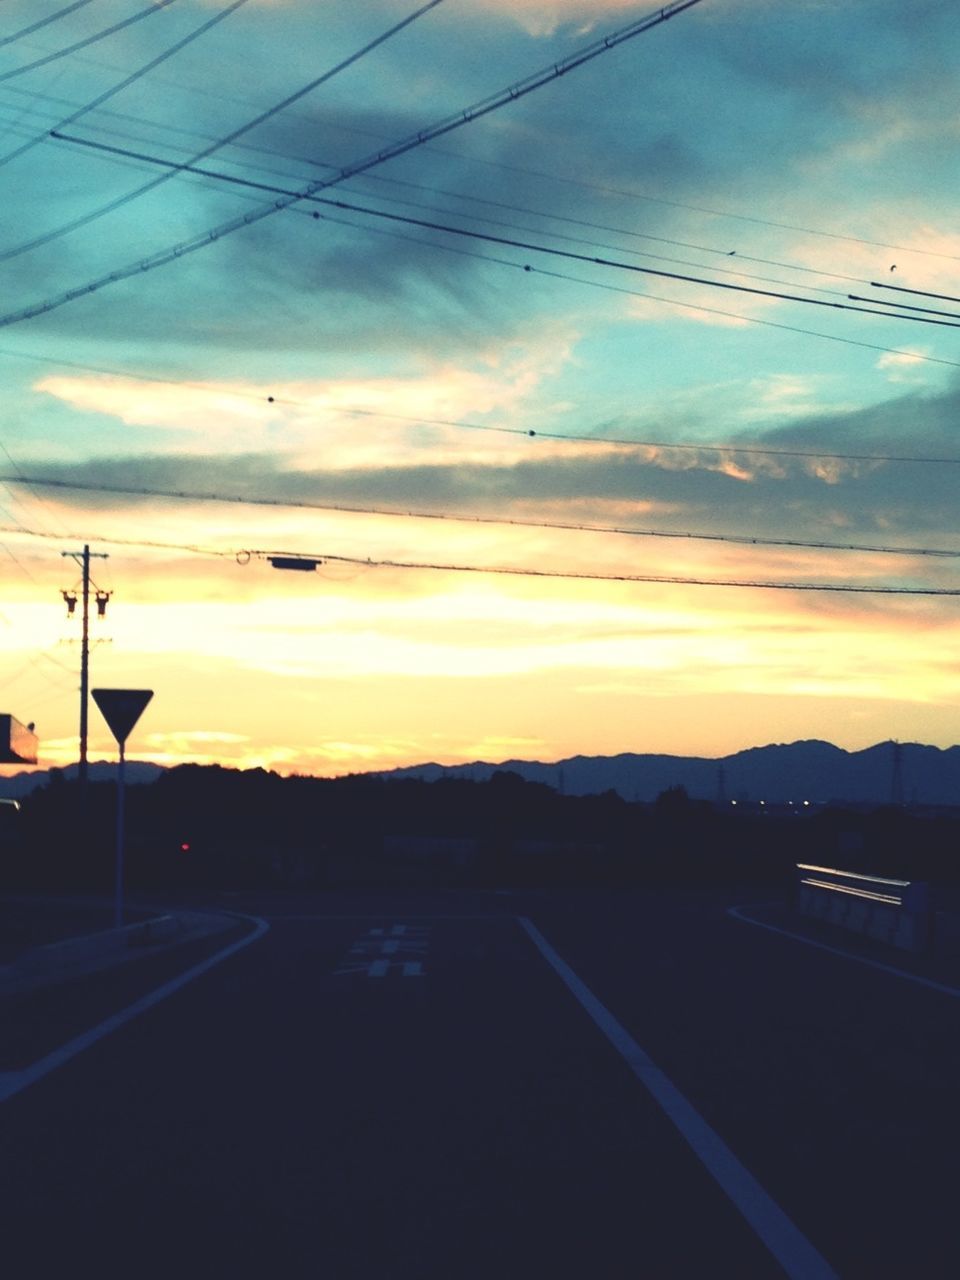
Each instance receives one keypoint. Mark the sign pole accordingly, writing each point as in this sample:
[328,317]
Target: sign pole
[121,708]
[118,882]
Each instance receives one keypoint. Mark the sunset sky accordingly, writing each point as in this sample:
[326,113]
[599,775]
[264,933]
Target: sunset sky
[465,396]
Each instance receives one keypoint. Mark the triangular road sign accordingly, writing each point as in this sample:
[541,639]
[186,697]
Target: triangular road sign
[121,708]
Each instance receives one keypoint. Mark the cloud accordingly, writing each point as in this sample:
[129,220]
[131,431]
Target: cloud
[545,17]
[905,367]
[346,422]
[719,491]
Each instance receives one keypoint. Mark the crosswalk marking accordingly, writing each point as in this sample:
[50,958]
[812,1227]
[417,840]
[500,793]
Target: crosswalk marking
[381,952]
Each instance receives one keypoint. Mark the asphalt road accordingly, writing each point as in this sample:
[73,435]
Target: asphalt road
[413,1085]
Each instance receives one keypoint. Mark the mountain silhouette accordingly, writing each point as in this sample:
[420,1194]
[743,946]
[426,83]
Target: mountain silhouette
[778,773]
[21,784]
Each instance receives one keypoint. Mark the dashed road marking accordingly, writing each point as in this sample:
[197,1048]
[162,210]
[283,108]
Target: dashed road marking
[380,952]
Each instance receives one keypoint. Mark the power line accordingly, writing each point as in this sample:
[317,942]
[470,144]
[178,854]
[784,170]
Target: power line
[628,193]
[16,466]
[244,556]
[20,565]
[907,306]
[506,241]
[851,588]
[622,231]
[448,125]
[140,159]
[696,307]
[641,253]
[142,491]
[610,262]
[151,9]
[715,213]
[633,194]
[629,442]
[380,179]
[175,167]
[126,81]
[649,297]
[754,320]
[122,542]
[473,199]
[917,293]
[220,177]
[42,22]
[16,560]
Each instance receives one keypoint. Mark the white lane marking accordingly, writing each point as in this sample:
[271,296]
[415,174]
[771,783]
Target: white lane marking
[366,955]
[409,968]
[14,1082]
[942,987]
[795,1254]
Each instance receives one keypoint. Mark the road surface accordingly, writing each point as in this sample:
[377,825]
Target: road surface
[459,1085]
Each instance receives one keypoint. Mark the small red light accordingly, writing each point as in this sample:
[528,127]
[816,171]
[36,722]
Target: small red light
[184,847]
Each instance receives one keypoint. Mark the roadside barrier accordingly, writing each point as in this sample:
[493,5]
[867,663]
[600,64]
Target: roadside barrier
[897,912]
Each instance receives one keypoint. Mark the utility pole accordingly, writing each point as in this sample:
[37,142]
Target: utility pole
[83,559]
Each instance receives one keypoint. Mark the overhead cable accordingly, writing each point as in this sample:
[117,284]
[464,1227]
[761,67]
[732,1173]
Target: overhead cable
[145,491]
[244,557]
[909,306]
[447,125]
[156,7]
[754,320]
[218,177]
[723,448]
[486,237]
[665,580]
[141,71]
[918,293]
[128,196]
[714,213]
[123,542]
[43,22]
[596,260]
[383,180]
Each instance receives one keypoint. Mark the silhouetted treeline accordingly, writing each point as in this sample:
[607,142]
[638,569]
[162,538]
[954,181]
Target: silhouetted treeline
[215,827]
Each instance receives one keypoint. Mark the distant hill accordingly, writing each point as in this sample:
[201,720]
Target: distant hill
[810,770]
[777,773]
[21,784]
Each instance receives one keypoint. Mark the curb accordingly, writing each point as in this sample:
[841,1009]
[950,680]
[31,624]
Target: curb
[57,962]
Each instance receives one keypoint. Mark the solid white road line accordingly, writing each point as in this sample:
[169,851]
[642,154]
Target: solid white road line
[14,1082]
[942,987]
[795,1254]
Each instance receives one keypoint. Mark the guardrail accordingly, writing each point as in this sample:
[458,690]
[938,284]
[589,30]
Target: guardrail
[897,912]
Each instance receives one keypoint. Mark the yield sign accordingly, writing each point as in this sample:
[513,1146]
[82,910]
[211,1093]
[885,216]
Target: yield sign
[121,708]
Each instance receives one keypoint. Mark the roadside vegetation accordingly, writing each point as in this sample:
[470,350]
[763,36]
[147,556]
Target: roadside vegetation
[210,827]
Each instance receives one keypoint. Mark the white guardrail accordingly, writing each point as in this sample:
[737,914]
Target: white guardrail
[893,911]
